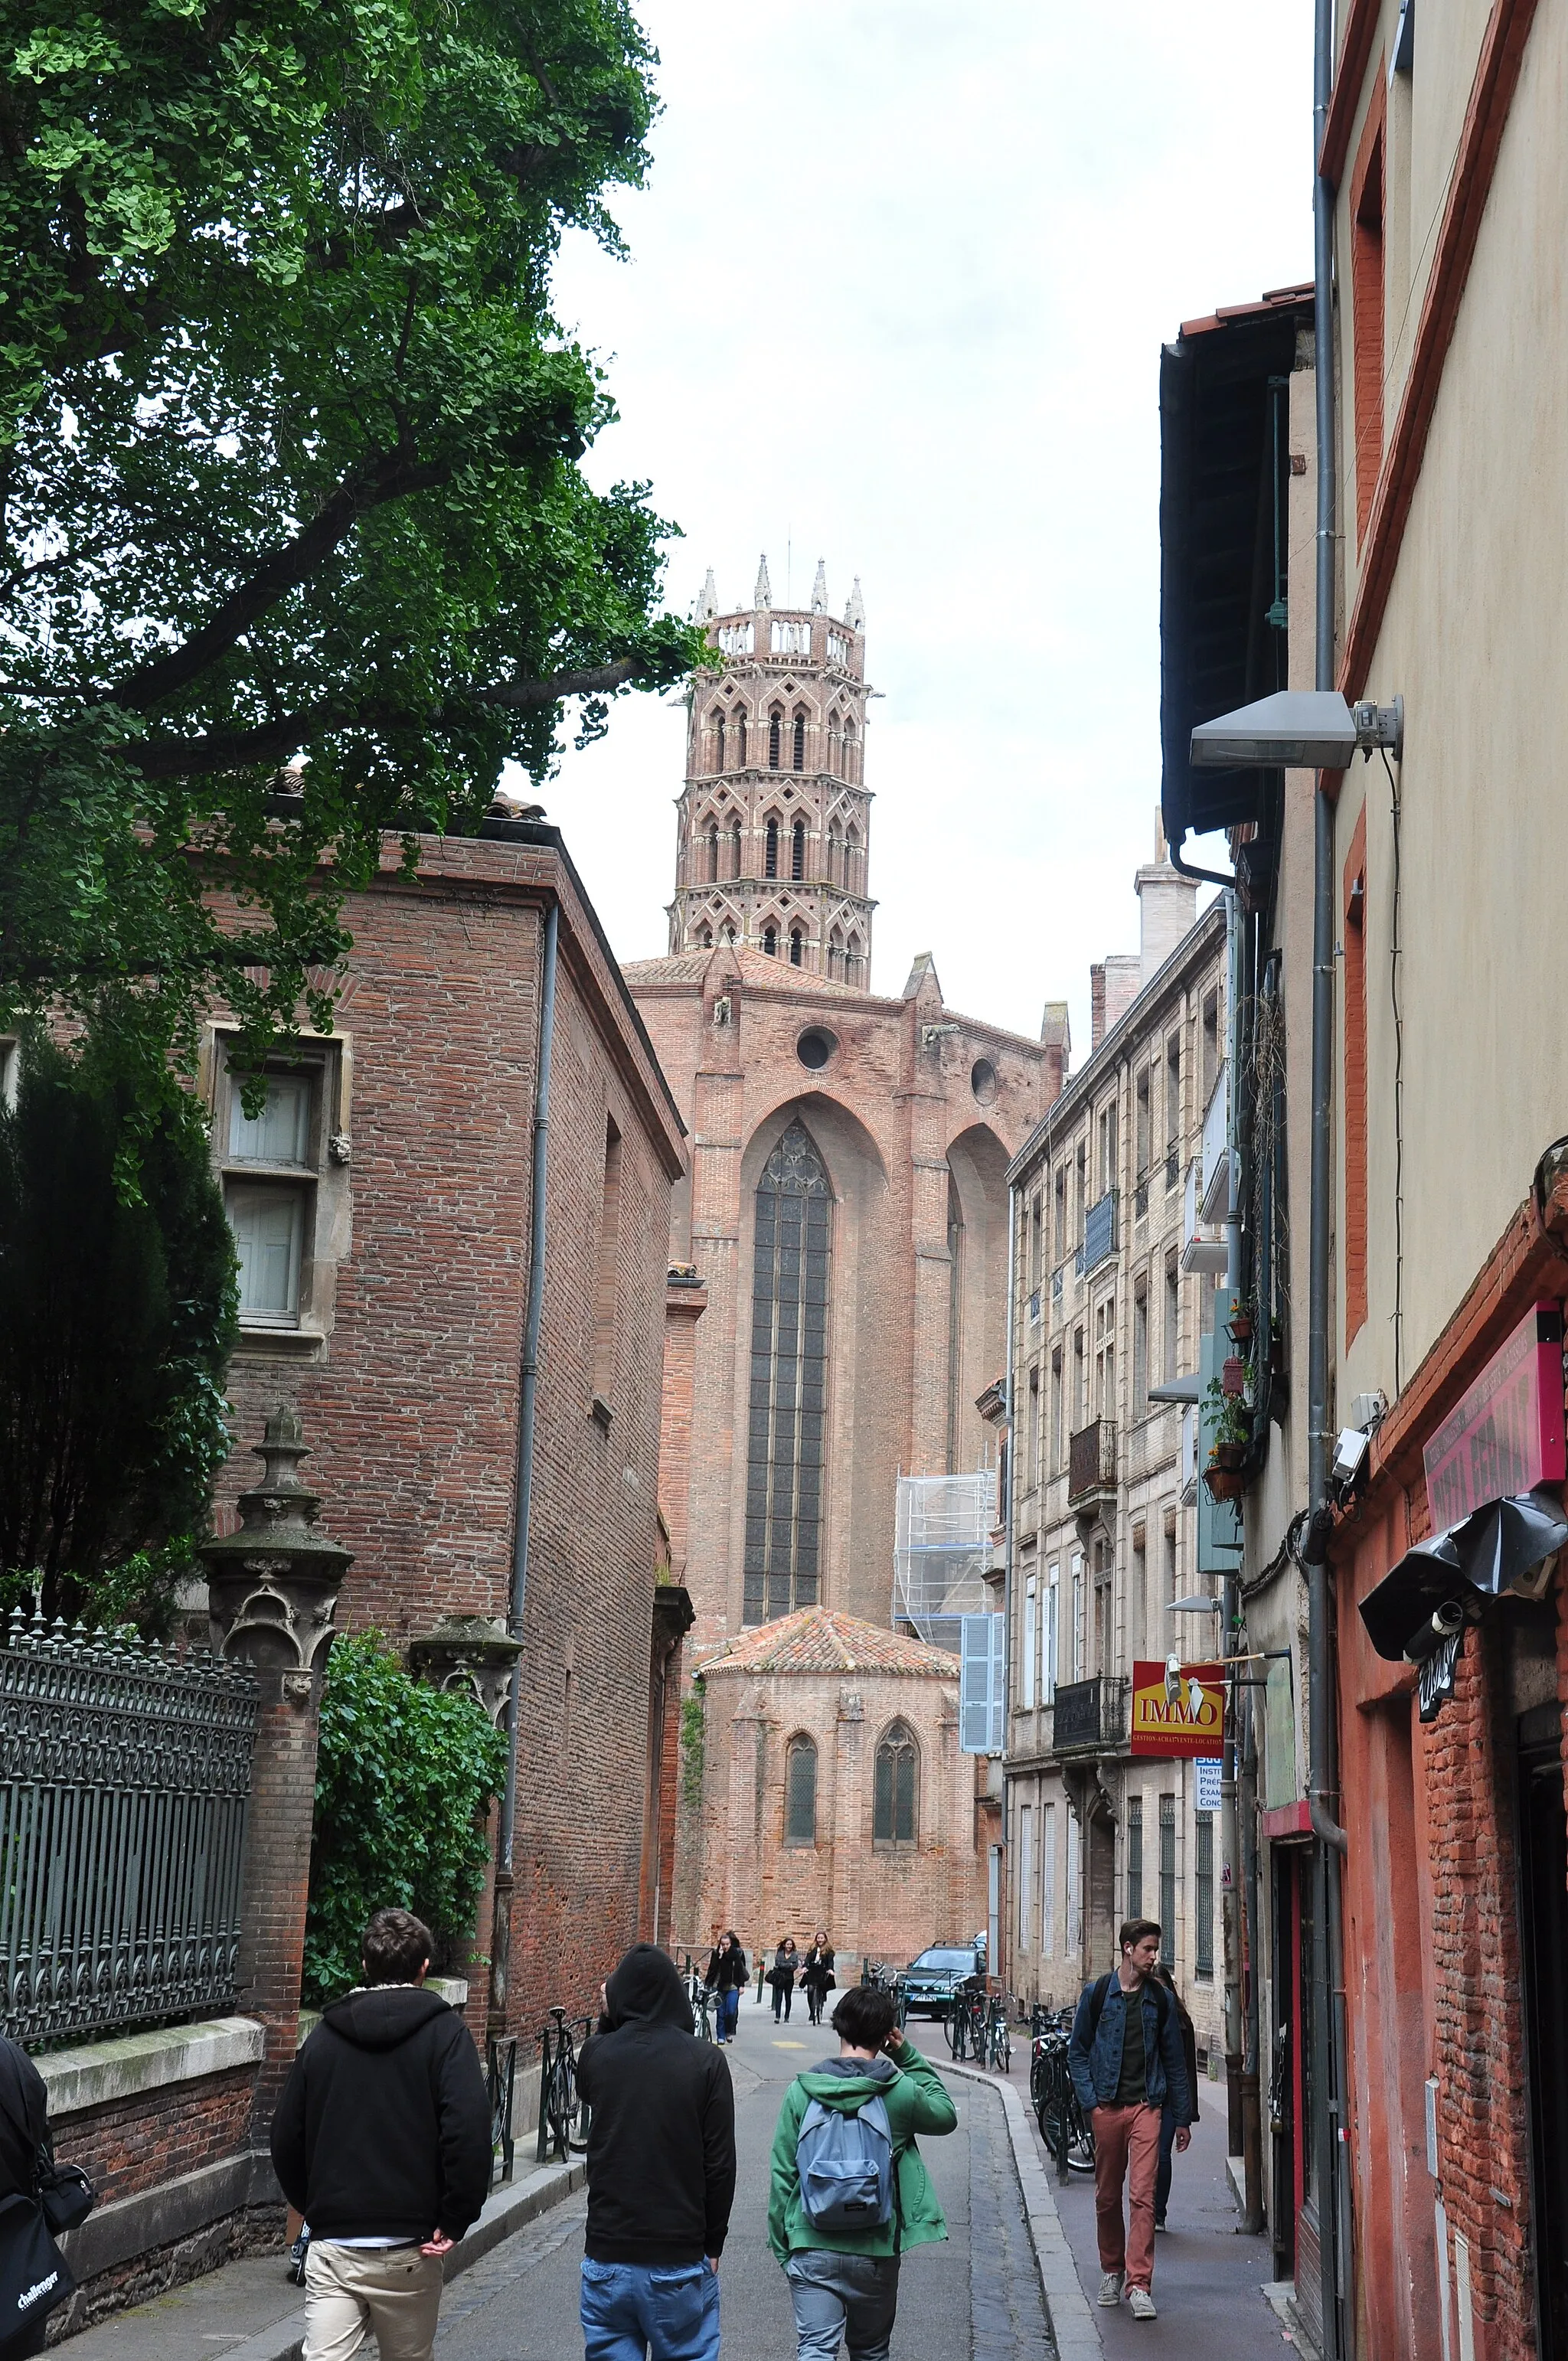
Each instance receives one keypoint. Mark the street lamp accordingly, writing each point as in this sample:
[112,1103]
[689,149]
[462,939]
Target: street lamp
[1299,730]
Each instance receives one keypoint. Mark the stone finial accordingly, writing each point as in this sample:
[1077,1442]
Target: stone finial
[272,1586]
[855,612]
[763,594]
[468,1652]
[705,606]
[819,589]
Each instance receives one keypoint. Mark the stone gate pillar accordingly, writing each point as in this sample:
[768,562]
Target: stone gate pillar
[272,1593]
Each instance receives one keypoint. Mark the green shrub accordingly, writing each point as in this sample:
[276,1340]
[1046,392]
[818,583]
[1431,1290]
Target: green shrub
[694,1745]
[402,1778]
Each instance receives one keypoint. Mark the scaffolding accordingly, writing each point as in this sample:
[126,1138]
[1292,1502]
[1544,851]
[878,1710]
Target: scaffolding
[942,1547]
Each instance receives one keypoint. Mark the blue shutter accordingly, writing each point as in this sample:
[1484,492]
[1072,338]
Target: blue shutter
[981,1693]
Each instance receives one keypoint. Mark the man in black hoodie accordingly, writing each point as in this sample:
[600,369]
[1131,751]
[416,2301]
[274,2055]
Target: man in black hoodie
[382,2141]
[661,2171]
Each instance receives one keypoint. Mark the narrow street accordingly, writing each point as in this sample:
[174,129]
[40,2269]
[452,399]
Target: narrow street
[978,2295]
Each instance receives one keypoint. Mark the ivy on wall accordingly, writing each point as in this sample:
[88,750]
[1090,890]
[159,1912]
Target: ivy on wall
[403,1777]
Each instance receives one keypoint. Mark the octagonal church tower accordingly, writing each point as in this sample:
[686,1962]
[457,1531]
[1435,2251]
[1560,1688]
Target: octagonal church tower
[774,818]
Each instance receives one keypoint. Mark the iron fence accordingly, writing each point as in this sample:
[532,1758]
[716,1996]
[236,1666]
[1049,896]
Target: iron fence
[125,1777]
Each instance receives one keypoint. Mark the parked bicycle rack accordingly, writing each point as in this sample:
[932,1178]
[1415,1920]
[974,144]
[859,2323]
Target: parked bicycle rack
[501,2077]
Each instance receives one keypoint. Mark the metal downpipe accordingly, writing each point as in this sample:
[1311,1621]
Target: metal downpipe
[1322,1778]
[528,1394]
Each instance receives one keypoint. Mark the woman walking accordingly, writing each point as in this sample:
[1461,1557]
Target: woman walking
[1170,2123]
[780,1975]
[727,1976]
[816,1976]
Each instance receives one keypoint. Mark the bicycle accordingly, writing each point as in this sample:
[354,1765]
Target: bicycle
[1066,2133]
[998,2037]
[701,2002]
[559,2105]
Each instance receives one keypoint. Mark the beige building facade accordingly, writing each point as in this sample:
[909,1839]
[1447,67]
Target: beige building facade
[1103,1499]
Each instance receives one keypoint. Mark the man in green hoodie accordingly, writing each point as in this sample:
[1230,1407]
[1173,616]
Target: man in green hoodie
[844,2283]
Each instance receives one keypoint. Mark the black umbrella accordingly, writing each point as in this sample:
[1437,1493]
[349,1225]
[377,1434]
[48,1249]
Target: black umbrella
[1494,1549]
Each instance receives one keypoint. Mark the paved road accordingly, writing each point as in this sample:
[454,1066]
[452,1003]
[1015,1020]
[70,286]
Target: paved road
[976,2298]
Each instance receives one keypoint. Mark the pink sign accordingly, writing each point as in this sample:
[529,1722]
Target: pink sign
[1506,1433]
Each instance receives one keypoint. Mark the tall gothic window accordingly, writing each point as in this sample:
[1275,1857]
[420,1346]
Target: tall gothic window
[718,737]
[789,1379]
[797,946]
[741,738]
[775,728]
[895,1818]
[798,750]
[771,850]
[713,853]
[770,940]
[800,1792]
[797,850]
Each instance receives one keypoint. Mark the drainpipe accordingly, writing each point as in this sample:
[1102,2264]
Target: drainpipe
[1331,2126]
[1015,1208]
[500,1931]
[1230,1856]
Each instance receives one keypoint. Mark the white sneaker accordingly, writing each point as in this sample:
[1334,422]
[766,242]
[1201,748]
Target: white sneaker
[1110,2288]
[1141,2304]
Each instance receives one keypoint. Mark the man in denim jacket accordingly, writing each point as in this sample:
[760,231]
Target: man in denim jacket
[1125,2059]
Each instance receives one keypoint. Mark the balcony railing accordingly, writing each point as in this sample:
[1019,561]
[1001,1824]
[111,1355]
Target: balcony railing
[1091,1461]
[1090,1716]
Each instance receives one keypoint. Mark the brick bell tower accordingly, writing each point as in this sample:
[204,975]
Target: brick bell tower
[775,819]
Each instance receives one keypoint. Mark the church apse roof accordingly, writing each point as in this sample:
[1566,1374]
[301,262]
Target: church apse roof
[815,1639]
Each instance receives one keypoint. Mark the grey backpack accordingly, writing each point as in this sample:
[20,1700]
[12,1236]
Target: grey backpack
[845,2164]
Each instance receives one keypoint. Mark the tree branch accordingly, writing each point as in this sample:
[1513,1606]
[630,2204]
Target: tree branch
[393,477]
[271,741]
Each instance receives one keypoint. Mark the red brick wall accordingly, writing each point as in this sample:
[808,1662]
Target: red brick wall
[411,1410]
[135,2144]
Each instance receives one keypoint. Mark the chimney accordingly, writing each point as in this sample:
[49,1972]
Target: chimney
[1096,1006]
[1168,906]
[1124,982]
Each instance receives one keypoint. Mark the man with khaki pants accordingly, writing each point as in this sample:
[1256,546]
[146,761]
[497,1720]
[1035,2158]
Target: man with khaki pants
[382,2141]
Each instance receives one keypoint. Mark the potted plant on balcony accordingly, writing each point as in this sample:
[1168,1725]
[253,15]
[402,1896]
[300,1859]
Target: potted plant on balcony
[1231,1430]
[1239,1322]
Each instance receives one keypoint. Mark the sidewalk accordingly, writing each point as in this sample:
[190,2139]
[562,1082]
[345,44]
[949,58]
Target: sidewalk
[251,2310]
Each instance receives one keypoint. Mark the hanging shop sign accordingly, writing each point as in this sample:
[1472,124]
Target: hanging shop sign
[1192,1725]
[1505,1435]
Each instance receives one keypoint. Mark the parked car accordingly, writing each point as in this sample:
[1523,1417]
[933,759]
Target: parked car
[929,1982]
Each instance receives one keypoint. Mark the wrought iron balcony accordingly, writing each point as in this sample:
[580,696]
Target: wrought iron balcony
[1090,1716]
[1091,1464]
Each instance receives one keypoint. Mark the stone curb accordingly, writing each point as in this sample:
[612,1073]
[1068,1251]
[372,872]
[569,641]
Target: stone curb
[1071,2318]
[506,2212]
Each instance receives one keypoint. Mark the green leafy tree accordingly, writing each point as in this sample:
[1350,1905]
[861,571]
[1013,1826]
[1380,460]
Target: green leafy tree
[116,1321]
[402,1778]
[289,450]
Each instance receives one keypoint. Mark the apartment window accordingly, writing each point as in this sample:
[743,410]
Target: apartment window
[1203,1897]
[1168,1568]
[1056,1410]
[1049,1882]
[1032,1440]
[1105,1358]
[607,1288]
[800,1792]
[1172,1106]
[1139,1604]
[1143,1131]
[1026,1874]
[1167,1880]
[1079,1377]
[1140,1347]
[1037,1247]
[1059,1247]
[1031,1609]
[1355,1083]
[270,1169]
[895,1788]
[1172,1339]
[1078,1634]
[1367,302]
[1107,1148]
[1134,1857]
[1048,1638]
[1210,1066]
[1080,1176]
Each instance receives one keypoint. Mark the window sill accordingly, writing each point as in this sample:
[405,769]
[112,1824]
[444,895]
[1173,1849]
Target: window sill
[289,1344]
[601,1413]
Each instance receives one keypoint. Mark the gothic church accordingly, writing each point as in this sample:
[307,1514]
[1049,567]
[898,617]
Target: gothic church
[836,1304]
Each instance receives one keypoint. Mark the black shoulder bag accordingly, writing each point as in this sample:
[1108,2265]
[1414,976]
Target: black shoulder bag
[35,2278]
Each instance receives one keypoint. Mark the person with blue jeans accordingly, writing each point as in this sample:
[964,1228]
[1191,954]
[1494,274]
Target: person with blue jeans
[661,2171]
[727,1979]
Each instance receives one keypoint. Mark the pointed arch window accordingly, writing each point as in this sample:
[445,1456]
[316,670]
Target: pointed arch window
[790,1277]
[770,940]
[800,1792]
[735,848]
[713,853]
[771,850]
[852,861]
[741,739]
[836,956]
[852,960]
[775,738]
[895,1806]
[797,752]
[835,855]
[797,946]
[797,850]
[849,750]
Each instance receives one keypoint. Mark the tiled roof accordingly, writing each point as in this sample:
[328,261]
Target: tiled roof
[681,967]
[758,974]
[815,1639]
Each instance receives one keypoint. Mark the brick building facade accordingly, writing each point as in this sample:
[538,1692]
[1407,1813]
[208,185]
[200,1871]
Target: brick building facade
[381,1205]
[846,1214]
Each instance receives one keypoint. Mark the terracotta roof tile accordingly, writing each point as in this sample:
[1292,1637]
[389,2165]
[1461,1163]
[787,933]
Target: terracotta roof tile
[815,1639]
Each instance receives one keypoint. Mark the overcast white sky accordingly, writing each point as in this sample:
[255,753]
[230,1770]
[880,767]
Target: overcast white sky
[895,298]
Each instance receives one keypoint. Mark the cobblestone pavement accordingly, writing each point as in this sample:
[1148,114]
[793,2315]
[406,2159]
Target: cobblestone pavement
[978,2295]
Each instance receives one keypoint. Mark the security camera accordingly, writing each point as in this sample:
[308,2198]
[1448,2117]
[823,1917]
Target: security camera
[1440,1626]
[1349,1456]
